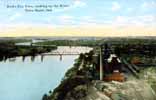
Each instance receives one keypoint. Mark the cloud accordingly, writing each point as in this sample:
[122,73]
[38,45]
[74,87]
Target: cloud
[66,20]
[87,21]
[115,6]
[120,21]
[65,17]
[144,20]
[75,4]
[151,4]
[78,3]
[79,31]
[129,9]
[147,20]
[15,16]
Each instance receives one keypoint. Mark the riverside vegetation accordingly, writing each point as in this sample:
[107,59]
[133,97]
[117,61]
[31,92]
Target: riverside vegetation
[75,83]
[8,49]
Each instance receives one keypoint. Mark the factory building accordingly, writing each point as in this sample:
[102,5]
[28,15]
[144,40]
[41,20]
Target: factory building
[109,66]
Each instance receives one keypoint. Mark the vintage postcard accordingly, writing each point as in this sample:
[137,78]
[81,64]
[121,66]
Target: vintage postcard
[77,49]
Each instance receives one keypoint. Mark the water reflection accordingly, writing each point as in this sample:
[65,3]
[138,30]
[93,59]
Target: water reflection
[60,57]
[23,58]
[61,51]
[42,57]
[32,58]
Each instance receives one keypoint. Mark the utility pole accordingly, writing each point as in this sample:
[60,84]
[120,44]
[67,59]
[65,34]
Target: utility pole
[101,65]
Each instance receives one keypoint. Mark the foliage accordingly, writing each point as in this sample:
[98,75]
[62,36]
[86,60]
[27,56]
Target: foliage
[70,42]
[9,49]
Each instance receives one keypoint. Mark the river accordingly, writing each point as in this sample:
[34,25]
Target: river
[30,80]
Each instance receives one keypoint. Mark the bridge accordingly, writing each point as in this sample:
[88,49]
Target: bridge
[60,51]
[64,50]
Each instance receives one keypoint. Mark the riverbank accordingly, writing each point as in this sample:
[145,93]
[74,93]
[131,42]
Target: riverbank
[75,82]
[79,84]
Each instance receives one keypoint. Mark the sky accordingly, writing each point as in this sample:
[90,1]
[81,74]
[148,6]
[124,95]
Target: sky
[79,18]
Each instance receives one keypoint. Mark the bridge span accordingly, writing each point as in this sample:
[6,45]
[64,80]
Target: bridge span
[64,50]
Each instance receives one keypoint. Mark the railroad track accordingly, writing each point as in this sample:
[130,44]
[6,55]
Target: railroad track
[132,68]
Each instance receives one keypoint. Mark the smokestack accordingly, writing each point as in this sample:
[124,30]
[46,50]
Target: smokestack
[101,65]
